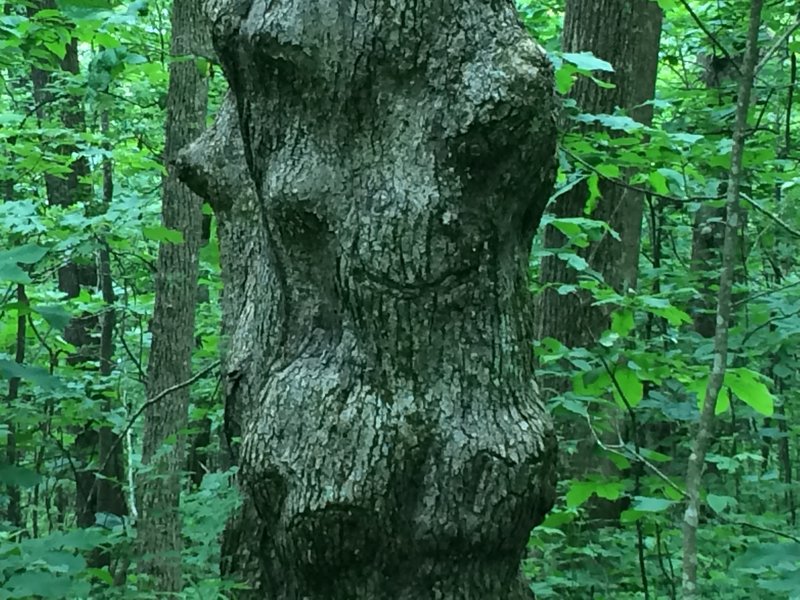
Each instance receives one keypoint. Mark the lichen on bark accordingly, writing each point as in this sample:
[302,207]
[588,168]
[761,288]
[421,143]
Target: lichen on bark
[398,158]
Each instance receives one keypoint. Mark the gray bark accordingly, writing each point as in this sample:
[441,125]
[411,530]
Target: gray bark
[159,533]
[696,463]
[625,33]
[375,242]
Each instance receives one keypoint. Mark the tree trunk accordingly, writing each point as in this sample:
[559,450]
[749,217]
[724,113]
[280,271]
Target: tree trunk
[159,532]
[13,506]
[110,493]
[379,369]
[625,33]
[696,463]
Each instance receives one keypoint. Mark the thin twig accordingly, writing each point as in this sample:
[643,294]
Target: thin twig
[772,216]
[155,400]
[778,43]
[710,35]
[776,532]
[636,188]
[624,451]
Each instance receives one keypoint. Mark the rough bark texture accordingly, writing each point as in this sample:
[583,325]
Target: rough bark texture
[708,234]
[379,368]
[625,33]
[173,318]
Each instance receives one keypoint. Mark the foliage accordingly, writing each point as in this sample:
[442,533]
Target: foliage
[639,385]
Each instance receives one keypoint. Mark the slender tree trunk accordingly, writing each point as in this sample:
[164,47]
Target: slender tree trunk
[159,533]
[110,492]
[708,235]
[215,166]
[696,463]
[13,508]
[379,367]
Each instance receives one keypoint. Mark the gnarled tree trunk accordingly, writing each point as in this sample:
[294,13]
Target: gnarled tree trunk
[379,367]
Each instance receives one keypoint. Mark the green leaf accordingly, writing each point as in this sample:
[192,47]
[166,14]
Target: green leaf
[661,307]
[574,261]
[11,272]
[645,504]
[688,138]
[616,122]
[579,492]
[587,61]
[557,519]
[700,385]
[44,584]
[28,254]
[593,183]
[630,386]
[565,78]
[56,315]
[35,375]
[769,555]
[10,260]
[659,183]
[748,387]
[163,234]
[84,9]
[18,476]
[719,503]
[654,456]
[609,170]
[610,490]
[101,574]
[622,322]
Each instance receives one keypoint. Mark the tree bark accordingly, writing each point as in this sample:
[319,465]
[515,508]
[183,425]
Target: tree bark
[159,533]
[625,33]
[398,157]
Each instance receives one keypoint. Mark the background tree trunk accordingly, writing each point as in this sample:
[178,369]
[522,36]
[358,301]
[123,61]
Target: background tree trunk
[703,436]
[215,166]
[625,33]
[159,532]
[401,157]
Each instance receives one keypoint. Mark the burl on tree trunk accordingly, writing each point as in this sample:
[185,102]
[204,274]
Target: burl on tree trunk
[378,172]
